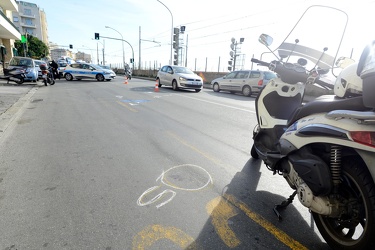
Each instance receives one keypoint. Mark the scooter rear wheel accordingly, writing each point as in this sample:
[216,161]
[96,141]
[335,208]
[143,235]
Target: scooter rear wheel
[354,229]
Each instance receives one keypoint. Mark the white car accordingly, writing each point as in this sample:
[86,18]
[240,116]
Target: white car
[81,71]
[113,74]
[179,77]
[37,64]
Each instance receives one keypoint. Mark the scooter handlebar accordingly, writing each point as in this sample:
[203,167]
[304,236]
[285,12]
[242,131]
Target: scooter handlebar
[260,62]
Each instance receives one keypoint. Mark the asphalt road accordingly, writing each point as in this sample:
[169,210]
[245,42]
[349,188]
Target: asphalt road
[109,165]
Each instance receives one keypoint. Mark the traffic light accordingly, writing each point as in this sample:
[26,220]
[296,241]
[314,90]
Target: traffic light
[96,36]
[176,38]
[131,60]
[70,46]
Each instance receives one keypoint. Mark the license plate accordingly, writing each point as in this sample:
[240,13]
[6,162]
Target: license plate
[44,76]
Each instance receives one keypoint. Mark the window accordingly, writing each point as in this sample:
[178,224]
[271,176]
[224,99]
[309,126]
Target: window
[242,75]
[255,74]
[29,31]
[28,21]
[231,75]
[15,19]
[164,69]
[27,12]
[269,75]
[76,66]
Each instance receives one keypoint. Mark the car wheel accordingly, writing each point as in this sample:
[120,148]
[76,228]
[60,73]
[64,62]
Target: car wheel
[159,84]
[68,77]
[197,90]
[100,77]
[174,85]
[246,91]
[216,87]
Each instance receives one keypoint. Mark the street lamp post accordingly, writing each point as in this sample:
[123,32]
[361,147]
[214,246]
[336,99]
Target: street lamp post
[122,43]
[171,61]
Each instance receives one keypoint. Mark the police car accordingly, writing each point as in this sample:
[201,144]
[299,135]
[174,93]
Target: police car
[81,71]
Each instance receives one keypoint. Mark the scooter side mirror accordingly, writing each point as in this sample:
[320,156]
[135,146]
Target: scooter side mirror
[265,40]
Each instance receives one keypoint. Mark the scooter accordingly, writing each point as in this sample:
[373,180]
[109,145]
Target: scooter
[47,75]
[14,75]
[325,149]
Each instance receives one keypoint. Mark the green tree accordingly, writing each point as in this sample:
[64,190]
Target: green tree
[35,48]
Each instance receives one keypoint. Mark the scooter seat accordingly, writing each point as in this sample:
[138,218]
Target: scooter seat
[326,104]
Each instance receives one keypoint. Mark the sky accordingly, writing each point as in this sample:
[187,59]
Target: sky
[210,25]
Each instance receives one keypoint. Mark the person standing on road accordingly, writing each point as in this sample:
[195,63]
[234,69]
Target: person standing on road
[55,72]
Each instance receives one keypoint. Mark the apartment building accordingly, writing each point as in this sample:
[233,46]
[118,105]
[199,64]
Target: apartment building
[32,20]
[8,31]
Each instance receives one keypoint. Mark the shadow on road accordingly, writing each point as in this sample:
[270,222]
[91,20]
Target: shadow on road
[243,218]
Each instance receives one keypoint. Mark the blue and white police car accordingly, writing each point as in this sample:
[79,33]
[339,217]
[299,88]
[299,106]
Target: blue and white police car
[81,71]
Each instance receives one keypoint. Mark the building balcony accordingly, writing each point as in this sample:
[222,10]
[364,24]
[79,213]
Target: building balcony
[10,5]
[27,16]
[7,29]
[28,25]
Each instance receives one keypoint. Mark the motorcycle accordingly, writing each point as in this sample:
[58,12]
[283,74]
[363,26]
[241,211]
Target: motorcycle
[47,74]
[16,75]
[324,149]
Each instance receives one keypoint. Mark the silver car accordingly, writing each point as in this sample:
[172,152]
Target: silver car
[179,77]
[246,82]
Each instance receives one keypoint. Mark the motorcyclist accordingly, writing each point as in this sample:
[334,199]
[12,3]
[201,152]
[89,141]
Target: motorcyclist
[55,71]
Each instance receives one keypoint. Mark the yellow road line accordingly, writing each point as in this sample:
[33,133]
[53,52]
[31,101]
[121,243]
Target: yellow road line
[211,158]
[151,234]
[227,235]
[127,106]
[279,234]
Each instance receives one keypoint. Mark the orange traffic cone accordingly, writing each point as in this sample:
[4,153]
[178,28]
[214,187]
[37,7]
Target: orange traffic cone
[157,86]
[126,80]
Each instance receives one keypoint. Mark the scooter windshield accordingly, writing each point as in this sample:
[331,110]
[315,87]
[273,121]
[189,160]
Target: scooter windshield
[316,37]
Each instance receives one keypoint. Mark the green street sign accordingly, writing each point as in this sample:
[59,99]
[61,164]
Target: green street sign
[23,39]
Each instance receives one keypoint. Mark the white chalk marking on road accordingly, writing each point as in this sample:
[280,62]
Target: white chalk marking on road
[156,198]
[209,181]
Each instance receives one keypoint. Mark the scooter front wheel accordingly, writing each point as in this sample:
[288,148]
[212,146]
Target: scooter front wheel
[355,227]
[254,153]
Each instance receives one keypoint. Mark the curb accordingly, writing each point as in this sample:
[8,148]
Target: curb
[13,112]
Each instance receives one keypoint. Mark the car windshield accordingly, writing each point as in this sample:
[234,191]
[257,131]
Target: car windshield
[182,70]
[21,62]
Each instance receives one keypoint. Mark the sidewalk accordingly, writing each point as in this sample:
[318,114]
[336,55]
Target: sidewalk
[11,93]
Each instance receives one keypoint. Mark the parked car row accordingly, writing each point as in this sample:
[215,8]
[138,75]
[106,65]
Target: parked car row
[72,71]
[247,82]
